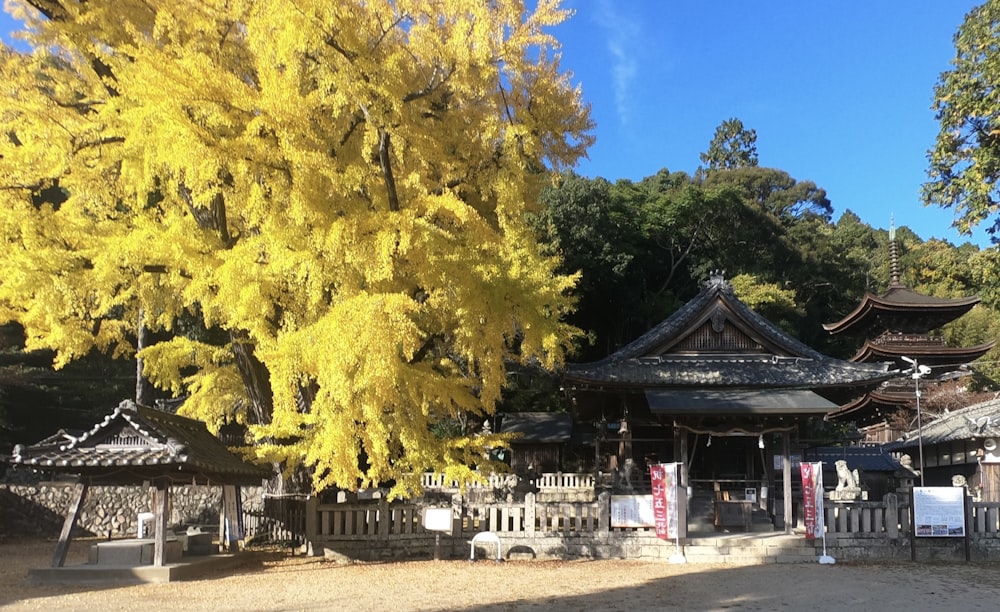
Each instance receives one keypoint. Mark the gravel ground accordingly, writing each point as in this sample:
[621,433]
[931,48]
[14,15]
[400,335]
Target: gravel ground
[276,581]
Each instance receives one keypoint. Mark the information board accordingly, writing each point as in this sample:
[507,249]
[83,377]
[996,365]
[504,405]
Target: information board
[939,512]
[632,511]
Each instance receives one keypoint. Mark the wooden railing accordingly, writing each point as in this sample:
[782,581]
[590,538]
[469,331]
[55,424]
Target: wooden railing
[549,480]
[383,520]
[891,518]
[277,519]
[985,518]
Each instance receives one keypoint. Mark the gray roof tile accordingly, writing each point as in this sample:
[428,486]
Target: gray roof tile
[136,443]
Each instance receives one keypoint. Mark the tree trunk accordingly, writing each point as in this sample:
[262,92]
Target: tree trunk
[143,390]
[256,379]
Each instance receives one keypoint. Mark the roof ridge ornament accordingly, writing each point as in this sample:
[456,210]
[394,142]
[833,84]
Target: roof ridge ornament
[717,280]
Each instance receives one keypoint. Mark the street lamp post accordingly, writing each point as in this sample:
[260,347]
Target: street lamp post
[918,371]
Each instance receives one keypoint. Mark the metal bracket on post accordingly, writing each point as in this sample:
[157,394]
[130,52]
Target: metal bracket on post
[484,536]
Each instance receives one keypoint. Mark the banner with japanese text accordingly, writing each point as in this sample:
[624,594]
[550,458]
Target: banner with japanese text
[812,499]
[663,477]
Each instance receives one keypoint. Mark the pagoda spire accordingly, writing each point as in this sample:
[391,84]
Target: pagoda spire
[893,254]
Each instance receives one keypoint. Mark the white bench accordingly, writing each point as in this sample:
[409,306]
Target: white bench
[487,537]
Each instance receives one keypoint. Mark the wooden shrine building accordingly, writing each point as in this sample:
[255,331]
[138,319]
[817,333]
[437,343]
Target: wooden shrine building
[900,326]
[717,388]
[136,445]
[960,447]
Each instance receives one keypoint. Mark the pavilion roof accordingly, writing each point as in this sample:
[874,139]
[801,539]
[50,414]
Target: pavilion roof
[136,443]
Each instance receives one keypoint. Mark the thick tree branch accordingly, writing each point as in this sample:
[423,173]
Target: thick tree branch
[385,162]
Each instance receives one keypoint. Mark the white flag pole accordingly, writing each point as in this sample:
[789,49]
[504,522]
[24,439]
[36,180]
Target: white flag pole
[674,502]
[825,559]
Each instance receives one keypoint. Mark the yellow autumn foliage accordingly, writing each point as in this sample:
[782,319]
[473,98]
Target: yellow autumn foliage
[339,186]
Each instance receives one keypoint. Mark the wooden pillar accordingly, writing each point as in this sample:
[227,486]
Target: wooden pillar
[786,477]
[161,507]
[66,536]
[597,453]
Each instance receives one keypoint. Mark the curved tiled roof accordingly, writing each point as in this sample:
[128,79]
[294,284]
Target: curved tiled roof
[747,371]
[136,443]
[930,355]
[900,300]
[769,357]
[977,421]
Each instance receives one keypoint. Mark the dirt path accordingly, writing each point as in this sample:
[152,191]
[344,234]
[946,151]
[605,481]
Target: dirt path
[273,581]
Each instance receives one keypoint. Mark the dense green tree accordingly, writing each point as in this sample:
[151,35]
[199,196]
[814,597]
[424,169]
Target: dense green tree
[36,399]
[775,192]
[964,165]
[939,268]
[595,231]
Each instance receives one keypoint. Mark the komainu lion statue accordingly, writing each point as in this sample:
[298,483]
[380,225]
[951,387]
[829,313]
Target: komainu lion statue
[846,479]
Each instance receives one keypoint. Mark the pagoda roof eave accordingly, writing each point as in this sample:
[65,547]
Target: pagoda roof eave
[900,299]
[927,355]
[867,409]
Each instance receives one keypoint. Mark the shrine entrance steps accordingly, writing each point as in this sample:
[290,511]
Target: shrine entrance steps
[751,548]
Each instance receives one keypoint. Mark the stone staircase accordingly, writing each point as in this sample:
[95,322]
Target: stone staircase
[751,549]
[707,543]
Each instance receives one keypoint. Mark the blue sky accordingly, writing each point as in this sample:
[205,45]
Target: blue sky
[839,92]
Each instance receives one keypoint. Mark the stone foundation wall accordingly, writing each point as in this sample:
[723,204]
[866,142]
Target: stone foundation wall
[38,510]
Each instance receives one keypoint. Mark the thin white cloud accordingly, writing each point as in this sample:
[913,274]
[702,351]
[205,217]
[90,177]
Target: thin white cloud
[622,37]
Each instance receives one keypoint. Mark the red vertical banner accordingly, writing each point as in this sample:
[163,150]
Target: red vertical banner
[663,477]
[812,499]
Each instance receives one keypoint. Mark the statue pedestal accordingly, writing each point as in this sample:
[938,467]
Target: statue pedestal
[846,494]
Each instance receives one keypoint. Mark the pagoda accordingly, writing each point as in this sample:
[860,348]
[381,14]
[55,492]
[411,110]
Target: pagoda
[899,326]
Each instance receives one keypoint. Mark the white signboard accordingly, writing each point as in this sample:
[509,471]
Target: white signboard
[437,519]
[632,511]
[939,512]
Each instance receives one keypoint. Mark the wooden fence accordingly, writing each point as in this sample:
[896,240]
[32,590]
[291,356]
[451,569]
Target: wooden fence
[378,528]
[890,518]
[553,480]
[382,520]
[277,519]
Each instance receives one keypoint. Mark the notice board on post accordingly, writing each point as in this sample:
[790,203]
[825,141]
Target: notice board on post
[632,511]
[939,512]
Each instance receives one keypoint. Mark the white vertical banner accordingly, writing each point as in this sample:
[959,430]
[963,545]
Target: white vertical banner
[812,505]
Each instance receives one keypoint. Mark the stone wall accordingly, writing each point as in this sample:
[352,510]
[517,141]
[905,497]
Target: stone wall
[38,510]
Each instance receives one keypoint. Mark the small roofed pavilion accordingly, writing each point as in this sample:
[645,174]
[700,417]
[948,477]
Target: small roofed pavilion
[898,326]
[135,445]
[715,369]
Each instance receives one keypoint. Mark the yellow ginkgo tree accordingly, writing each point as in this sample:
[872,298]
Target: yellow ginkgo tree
[340,188]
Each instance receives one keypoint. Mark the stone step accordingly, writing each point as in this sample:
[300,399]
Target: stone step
[748,549]
[746,552]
